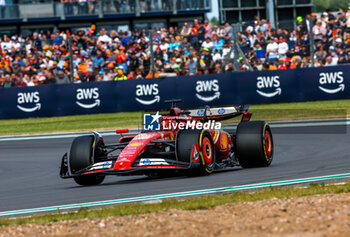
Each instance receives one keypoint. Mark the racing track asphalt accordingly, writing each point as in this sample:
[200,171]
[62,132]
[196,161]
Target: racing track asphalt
[29,169]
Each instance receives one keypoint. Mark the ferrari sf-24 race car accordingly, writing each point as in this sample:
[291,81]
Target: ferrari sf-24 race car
[170,150]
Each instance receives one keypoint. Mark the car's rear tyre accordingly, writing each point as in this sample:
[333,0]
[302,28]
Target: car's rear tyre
[254,144]
[81,156]
[196,146]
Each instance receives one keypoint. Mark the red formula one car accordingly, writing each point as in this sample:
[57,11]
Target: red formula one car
[185,141]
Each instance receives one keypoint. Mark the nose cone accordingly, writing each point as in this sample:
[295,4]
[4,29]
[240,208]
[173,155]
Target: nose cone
[133,149]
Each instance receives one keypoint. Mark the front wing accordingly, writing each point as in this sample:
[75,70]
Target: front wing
[140,166]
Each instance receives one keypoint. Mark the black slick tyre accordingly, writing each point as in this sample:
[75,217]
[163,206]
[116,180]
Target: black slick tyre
[89,179]
[81,156]
[254,144]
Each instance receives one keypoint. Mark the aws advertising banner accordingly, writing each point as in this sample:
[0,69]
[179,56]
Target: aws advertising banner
[137,95]
[326,83]
[196,91]
[212,90]
[268,86]
[85,98]
[28,102]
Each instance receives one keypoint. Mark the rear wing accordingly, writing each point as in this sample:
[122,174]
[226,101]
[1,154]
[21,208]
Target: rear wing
[220,113]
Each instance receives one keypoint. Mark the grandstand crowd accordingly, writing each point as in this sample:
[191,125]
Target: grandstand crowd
[194,49]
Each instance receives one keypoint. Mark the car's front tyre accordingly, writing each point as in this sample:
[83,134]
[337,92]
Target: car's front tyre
[89,179]
[81,156]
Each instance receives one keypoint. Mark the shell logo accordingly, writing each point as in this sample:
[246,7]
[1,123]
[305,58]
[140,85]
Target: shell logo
[223,141]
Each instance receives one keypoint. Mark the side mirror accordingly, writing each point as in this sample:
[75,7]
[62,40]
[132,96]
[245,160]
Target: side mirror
[122,130]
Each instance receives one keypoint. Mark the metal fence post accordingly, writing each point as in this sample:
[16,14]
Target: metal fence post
[71,68]
[270,12]
[174,7]
[221,11]
[312,50]
[63,8]
[151,51]
[235,30]
[100,8]
[137,8]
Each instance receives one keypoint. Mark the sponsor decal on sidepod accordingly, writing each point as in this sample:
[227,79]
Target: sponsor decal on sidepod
[221,111]
[101,165]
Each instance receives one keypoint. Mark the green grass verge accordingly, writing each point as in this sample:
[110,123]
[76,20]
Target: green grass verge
[283,111]
[187,204]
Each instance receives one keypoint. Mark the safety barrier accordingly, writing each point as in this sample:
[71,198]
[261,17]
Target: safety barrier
[307,84]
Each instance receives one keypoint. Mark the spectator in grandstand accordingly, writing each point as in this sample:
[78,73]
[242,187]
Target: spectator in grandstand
[197,48]
[7,83]
[282,48]
[319,31]
[98,60]
[58,39]
[61,78]
[49,78]
[263,27]
[272,50]
[207,43]
[120,74]
[192,65]
[90,75]
[344,58]
[260,52]
[186,31]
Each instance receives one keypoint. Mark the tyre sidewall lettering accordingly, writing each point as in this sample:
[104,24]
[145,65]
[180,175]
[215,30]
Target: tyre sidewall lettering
[267,157]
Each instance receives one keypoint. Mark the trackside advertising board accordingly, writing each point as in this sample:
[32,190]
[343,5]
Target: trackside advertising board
[307,84]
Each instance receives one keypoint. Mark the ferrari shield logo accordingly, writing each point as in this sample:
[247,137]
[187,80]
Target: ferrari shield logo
[151,122]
